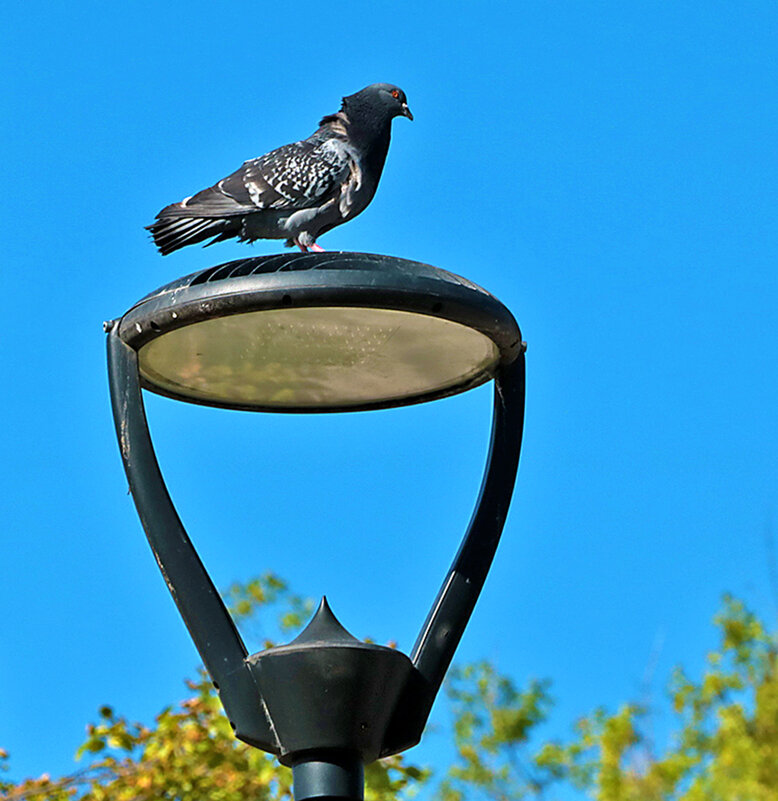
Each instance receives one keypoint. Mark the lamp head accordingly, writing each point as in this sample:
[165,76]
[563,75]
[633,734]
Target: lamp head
[319,332]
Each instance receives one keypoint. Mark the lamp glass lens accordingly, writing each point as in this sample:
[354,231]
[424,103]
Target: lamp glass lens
[317,357]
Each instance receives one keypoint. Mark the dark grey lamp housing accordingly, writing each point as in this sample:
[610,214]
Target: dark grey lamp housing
[319,332]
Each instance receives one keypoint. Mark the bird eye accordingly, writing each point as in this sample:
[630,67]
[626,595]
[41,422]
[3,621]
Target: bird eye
[395,94]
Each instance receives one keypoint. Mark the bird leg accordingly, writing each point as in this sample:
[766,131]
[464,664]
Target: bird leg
[304,241]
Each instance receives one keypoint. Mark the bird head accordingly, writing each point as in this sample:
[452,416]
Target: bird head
[382,98]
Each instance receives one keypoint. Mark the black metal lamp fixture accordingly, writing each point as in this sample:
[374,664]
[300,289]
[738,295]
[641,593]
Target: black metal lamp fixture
[319,332]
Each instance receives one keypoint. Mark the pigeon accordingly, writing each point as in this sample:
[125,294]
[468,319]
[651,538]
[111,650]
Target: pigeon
[299,191]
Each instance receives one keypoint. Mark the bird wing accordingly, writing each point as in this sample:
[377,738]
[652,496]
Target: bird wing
[291,177]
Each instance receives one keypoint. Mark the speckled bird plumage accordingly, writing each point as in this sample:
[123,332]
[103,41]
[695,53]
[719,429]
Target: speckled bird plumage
[299,191]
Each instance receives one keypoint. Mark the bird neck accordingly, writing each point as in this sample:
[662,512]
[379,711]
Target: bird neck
[376,150]
[366,128]
[371,137]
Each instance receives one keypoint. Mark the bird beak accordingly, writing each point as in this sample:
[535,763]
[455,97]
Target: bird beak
[406,112]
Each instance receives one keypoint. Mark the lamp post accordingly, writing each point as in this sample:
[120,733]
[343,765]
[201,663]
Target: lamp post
[319,332]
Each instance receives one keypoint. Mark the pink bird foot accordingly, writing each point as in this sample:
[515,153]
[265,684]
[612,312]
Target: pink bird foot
[314,247]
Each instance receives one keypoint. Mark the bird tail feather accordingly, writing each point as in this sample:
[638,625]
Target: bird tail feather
[170,234]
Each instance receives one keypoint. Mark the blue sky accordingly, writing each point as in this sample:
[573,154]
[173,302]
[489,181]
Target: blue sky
[608,170]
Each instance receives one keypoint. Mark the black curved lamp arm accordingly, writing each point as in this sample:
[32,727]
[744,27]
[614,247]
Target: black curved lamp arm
[210,624]
[451,611]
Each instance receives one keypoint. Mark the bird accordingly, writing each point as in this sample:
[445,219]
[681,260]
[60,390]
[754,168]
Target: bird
[298,191]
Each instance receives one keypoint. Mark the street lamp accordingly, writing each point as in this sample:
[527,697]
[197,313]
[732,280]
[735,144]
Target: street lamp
[319,332]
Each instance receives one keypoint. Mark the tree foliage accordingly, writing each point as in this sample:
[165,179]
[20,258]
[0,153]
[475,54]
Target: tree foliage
[493,723]
[724,746]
